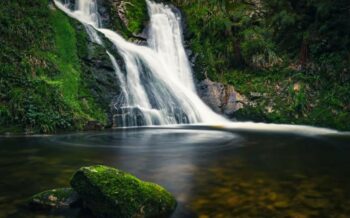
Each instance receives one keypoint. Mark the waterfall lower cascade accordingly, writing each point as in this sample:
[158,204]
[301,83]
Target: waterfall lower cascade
[157,87]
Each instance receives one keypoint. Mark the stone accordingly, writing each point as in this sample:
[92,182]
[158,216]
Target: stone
[93,126]
[109,192]
[61,198]
[221,98]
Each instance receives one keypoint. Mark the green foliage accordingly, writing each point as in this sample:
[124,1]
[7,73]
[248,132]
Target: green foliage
[42,86]
[292,97]
[136,14]
[309,28]
[269,46]
[70,80]
[227,35]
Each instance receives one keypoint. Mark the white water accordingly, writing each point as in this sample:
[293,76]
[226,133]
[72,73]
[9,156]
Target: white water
[157,87]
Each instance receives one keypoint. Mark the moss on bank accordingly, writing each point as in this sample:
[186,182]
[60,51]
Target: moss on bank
[42,87]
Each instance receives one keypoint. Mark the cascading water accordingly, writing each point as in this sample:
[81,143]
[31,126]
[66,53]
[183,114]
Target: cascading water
[157,85]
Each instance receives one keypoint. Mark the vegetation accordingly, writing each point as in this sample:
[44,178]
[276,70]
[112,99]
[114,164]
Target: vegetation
[136,13]
[42,87]
[295,54]
[128,18]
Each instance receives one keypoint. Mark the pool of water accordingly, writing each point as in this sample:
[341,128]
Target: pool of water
[212,172]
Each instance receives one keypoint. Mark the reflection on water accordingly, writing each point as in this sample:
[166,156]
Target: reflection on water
[212,173]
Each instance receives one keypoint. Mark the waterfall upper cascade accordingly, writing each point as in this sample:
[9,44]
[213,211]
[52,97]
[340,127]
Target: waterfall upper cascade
[157,85]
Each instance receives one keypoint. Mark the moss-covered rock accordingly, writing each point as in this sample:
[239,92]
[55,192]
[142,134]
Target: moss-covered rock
[53,199]
[109,192]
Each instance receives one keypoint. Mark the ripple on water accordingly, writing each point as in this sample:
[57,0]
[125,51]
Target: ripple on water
[153,140]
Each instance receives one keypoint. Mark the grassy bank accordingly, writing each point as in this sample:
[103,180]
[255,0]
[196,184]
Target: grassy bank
[42,84]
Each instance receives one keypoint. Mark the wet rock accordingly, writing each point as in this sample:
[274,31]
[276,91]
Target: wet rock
[109,192]
[127,116]
[61,198]
[93,125]
[221,98]
[98,73]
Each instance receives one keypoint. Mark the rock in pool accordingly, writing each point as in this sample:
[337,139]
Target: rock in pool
[54,199]
[109,192]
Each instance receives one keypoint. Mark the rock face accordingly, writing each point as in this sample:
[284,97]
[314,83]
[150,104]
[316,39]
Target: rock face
[221,98]
[99,74]
[54,199]
[108,192]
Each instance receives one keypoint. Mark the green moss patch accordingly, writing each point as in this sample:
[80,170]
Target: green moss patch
[136,14]
[42,84]
[109,192]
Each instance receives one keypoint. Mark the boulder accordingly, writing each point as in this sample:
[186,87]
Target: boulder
[61,198]
[221,98]
[108,192]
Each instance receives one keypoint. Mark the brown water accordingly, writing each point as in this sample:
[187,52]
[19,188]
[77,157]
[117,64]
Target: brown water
[212,173]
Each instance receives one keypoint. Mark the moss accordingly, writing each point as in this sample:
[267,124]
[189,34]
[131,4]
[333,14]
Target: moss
[109,192]
[137,15]
[55,198]
[42,85]
[70,77]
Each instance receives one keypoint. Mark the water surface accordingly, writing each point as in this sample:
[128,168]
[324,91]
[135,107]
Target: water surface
[212,172]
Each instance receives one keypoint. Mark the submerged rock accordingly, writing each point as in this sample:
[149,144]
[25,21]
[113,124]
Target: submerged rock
[54,199]
[109,192]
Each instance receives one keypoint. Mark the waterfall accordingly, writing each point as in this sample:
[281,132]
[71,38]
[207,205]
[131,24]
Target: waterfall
[157,85]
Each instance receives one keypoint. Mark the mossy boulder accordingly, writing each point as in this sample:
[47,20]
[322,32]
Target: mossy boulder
[109,192]
[54,199]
